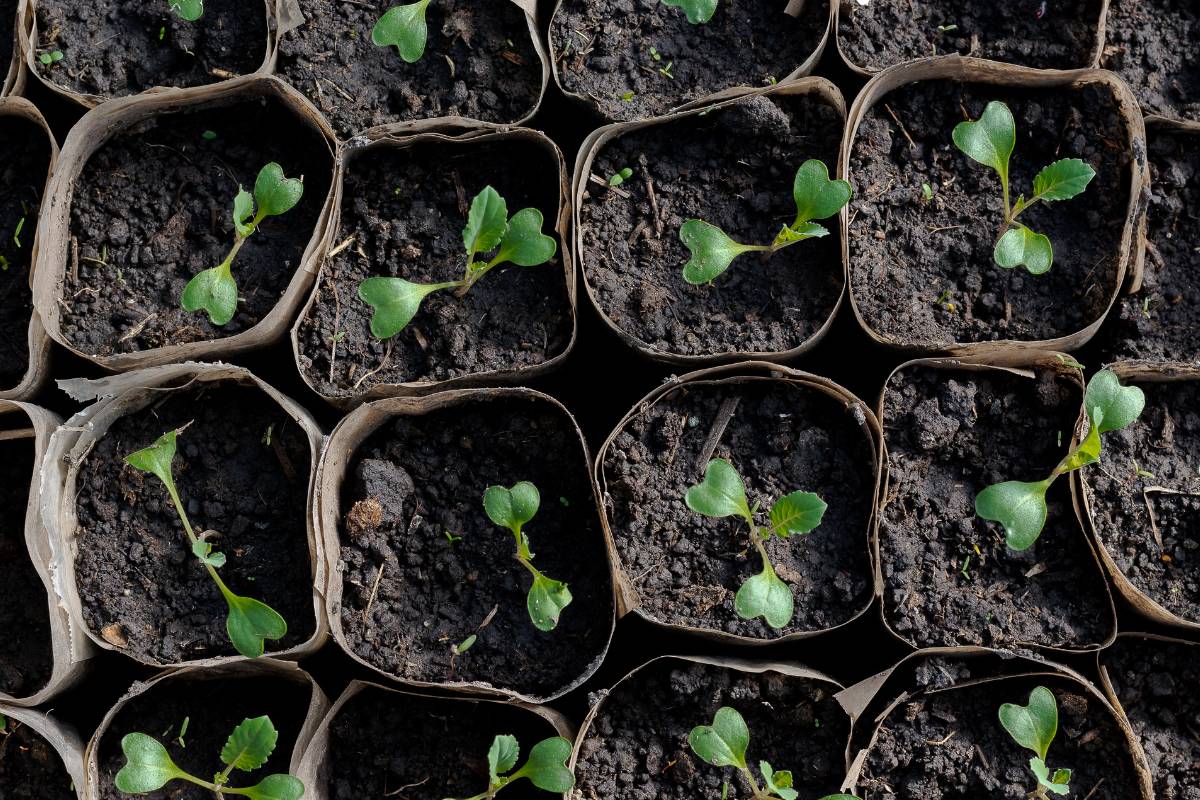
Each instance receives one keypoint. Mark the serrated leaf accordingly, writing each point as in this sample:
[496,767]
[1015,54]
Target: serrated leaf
[1063,180]
[800,232]
[157,458]
[798,512]
[712,251]
[547,766]
[720,494]
[765,595]
[250,744]
[1120,405]
[778,783]
[189,10]
[275,193]
[203,551]
[502,756]
[1057,784]
[545,602]
[697,11]
[816,196]
[1020,246]
[1032,726]
[403,27]
[395,302]
[1019,506]
[724,742]
[213,291]
[512,508]
[148,767]
[486,222]
[276,787]
[524,244]
[990,140]
[243,209]
[250,623]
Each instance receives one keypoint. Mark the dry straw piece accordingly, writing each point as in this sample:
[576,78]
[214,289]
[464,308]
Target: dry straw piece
[61,736]
[13,80]
[1163,126]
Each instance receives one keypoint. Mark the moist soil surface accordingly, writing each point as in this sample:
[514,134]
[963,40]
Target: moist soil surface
[30,768]
[1063,36]
[381,742]
[141,587]
[213,708]
[479,63]
[1158,452]
[404,212]
[632,255]
[922,272]
[1152,45]
[637,746]
[415,486]
[951,744]
[24,162]
[781,438]
[121,47]
[606,51]
[154,206]
[949,578]
[1155,684]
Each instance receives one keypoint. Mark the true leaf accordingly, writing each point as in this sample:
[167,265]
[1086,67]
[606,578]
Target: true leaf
[203,551]
[1020,246]
[816,196]
[189,10]
[1088,451]
[545,602]
[276,787]
[250,744]
[547,765]
[213,291]
[1057,784]
[1032,726]
[243,209]
[720,494]
[524,244]
[724,742]
[990,140]
[395,302]
[485,222]
[800,232]
[1063,180]
[405,28]
[778,783]
[512,508]
[148,766]
[1020,507]
[157,458]
[798,512]
[712,251]
[697,11]
[274,193]
[250,623]
[502,756]
[765,595]
[1120,405]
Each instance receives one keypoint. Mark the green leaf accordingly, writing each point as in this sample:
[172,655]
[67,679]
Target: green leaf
[1088,451]
[1020,507]
[800,232]
[395,302]
[712,251]
[189,10]
[250,622]
[243,209]
[816,196]
[203,551]
[512,508]
[724,743]
[545,602]
[547,766]
[765,595]
[1020,246]
[250,744]
[502,756]
[405,28]
[1120,405]
[778,783]
[148,766]
[524,244]
[1062,180]
[1057,784]
[697,11]
[157,458]
[274,193]
[990,140]
[276,787]
[213,291]
[1032,726]
[798,512]
[485,222]
[720,494]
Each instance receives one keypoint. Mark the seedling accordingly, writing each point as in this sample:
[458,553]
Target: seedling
[53,57]
[546,767]
[214,290]
[724,744]
[404,28]
[512,508]
[250,622]
[517,239]
[1034,726]
[620,177]
[189,10]
[927,192]
[698,11]
[1021,507]
[990,140]
[148,765]
[816,196]
[722,494]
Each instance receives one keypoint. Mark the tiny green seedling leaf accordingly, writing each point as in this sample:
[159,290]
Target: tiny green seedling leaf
[1119,405]
[1063,180]
[250,623]
[798,512]
[724,742]
[1020,507]
[720,494]
[502,756]
[395,302]
[157,458]
[274,193]
[546,767]
[1057,783]
[203,550]
[524,244]
[1021,247]
[275,787]
[148,766]
[250,744]
[512,508]
[778,783]
[404,28]
[485,222]
[1034,726]
[816,196]
[698,11]
[213,291]
[991,139]
[620,177]
[189,10]
[243,209]
[765,595]
[712,251]
[546,600]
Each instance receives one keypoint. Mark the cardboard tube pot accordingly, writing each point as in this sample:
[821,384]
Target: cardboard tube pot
[627,237]
[83,468]
[952,427]
[435,742]
[423,586]
[1147,43]
[398,199]
[12,79]
[213,700]
[72,269]
[922,272]
[64,767]
[827,441]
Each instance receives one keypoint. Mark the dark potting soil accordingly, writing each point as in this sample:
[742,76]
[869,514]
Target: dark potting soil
[633,257]
[382,742]
[1159,451]
[1152,45]
[417,484]
[951,744]
[213,708]
[637,746]
[922,272]
[24,162]
[479,62]
[781,438]
[154,206]
[404,212]
[141,587]
[1062,34]
[1155,683]
[30,768]
[121,47]
[606,50]
[949,578]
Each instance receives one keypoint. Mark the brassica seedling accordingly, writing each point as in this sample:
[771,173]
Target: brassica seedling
[189,10]
[816,196]
[620,177]
[50,58]
[149,767]
[404,28]
[214,290]
[724,744]
[517,239]
[512,508]
[1034,726]
[1021,506]
[546,767]
[698,11]
[990,140]
[250,621]
[723,494]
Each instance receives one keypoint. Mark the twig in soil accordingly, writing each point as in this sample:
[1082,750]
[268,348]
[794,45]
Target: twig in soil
[387,354]
[74,260]
[460,193]
[724,414]
[136,329]
[339,89]
[903,130]
[637,231]
[942,741]
[374,593]
[645,170]
[423,781]
[617,190]
[987,765]
[349,240]
[1094,789]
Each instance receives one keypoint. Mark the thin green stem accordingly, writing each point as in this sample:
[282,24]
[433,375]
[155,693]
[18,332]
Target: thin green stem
[759,794]
[192,538]
[1008,215]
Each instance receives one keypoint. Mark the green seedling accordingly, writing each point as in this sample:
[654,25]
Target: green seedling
[404,28]
[990,140]
[620,177]
[1021,506]
[724,744]
[148,766]
[927,192]
[53,57]
[816,196]
[517,239]
[189,10]
[1034,726]
[215,290]
[250,622]
[723,494]
[546,767]
[698,11]
[512,509]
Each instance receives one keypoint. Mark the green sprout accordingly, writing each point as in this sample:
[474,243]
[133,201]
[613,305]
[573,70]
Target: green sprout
[1020,506]
[697,11]
[404,28]
[724,744]
[214,290]
[1033,727]
[518,239]
[250,622]
[188,10]
[148,765]
[546,767]
[512,508]
[620,177]
[816,196]
[990,140]
[723,494]
[52,57]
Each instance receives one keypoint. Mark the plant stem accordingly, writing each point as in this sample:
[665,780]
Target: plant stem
[192,538]
[759,794]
